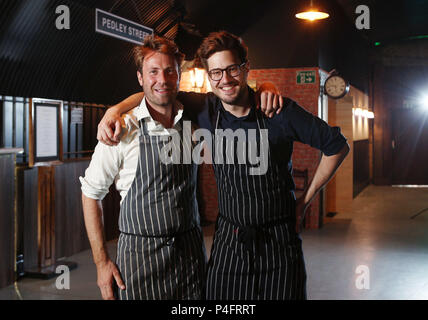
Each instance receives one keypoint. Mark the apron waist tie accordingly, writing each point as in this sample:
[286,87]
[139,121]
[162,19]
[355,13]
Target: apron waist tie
[249,234]
[254,234]
[169,238]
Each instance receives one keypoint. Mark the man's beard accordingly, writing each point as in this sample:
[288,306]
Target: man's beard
[162,102]
[233,100]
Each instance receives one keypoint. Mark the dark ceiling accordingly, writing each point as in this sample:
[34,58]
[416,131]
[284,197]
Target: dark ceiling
[390,20]
[36,59]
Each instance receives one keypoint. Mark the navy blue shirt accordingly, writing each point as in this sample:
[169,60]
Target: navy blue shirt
[293,124]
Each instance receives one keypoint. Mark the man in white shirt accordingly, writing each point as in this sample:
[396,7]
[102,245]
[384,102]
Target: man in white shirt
[161,254]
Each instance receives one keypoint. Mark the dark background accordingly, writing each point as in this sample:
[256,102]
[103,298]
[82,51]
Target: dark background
[78,64]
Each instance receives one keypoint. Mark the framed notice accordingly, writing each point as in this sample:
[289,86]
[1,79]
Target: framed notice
[45,143]
[76,116]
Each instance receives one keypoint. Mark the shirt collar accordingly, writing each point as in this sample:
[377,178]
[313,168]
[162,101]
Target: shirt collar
[249,116]
[143,112]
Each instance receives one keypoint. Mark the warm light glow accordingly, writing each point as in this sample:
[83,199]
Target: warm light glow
[209,89]
[358,112]
[197,77]
[312,15]
[363,113]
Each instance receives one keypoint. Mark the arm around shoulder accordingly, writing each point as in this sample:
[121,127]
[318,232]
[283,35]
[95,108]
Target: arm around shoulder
[110,126]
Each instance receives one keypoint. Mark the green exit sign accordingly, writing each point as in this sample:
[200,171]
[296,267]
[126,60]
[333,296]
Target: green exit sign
[305,77]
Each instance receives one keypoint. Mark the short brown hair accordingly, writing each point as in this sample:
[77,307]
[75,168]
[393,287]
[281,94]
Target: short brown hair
[157,44]
[221,41]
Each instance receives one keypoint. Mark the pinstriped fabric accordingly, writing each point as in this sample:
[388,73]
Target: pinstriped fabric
[161,254]
[166,193]
[271,266]
[152,269]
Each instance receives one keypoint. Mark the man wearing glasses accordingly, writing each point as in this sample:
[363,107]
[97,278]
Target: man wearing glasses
[256,252]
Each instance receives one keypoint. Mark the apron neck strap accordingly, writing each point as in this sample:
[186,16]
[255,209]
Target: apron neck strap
[143,127]
[255,114]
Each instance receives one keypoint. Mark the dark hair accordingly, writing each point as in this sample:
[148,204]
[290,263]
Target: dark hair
[157,44]
[220,41]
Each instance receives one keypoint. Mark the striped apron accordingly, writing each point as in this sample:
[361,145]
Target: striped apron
[256,252]
[161,253]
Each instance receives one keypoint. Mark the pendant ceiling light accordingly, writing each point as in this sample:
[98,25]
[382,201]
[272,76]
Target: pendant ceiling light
[312,14]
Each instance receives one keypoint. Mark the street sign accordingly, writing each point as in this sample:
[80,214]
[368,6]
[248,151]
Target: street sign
[118,27]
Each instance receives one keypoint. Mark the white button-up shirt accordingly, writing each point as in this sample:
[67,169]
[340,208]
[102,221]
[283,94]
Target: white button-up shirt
[118,163]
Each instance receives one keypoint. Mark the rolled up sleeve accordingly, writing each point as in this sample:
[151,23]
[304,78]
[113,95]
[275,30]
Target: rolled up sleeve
[304,127]
[102,171]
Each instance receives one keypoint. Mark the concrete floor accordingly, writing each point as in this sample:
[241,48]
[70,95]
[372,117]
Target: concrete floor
[378,234]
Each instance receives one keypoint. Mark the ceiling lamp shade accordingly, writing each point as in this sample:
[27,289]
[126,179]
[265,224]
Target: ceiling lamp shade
[312,14]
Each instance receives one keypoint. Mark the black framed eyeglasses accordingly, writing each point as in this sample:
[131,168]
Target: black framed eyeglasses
[233,70]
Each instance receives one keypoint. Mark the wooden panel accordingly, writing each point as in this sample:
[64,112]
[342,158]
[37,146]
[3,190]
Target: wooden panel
[340,189]
[70,231]
[410,152]
[87,130]
[91,117]
[361,166]
[361,125]
[2,124]
[386,99]
[69,228]
[7,255]
[29,230]
[46,216]
[379,125]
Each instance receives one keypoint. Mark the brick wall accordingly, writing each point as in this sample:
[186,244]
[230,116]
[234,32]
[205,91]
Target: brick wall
[306,95]
[207,193]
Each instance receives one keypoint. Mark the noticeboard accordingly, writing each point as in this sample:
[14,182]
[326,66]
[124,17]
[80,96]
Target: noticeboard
[45,122]
[76,115]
